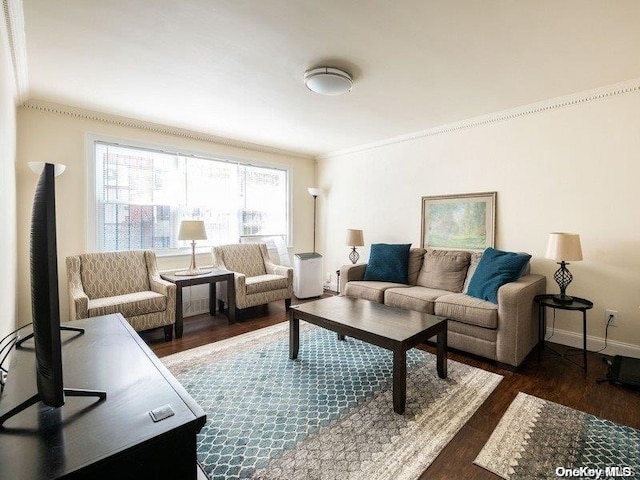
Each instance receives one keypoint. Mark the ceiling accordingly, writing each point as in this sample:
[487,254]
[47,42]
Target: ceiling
[234,68]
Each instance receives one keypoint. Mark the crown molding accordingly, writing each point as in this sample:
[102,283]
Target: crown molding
[14,30]
[512,113]
[84,114]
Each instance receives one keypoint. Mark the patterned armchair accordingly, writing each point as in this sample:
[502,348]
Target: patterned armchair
[257,279]
[121,282]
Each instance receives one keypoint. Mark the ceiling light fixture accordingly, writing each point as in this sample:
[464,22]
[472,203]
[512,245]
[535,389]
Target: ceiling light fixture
[328,81]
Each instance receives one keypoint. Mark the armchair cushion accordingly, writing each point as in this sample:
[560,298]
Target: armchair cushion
[113,273]
[264,283]
[129,304]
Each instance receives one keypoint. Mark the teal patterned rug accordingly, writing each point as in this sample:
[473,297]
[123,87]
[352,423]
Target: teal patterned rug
[540,439]
[328,414]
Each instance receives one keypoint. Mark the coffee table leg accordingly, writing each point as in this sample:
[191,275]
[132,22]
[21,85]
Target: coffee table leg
[442,351]
[340,336]
[294,336]
[399,380]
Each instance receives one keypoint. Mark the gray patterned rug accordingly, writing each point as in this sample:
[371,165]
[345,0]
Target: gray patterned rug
[328,414]
[540,439]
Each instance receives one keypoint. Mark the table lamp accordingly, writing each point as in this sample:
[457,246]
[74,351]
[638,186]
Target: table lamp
[355,238]
[192,230]
[563,247]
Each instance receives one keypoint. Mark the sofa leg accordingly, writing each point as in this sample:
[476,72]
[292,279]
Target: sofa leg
[287,304]
[221,306]
[168,333]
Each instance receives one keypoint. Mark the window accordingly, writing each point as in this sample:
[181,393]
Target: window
[142,195]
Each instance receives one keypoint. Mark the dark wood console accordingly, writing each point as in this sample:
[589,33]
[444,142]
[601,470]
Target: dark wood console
[87,438]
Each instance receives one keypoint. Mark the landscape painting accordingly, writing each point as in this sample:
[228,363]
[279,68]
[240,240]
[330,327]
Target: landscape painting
[459,222]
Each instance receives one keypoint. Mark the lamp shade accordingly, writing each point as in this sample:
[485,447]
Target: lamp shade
[314,191]
[355,238]
[37,167]
[564,247]
[192,230]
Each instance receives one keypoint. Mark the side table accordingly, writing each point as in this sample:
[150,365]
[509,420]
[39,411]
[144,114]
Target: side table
[213,277]
[577,304]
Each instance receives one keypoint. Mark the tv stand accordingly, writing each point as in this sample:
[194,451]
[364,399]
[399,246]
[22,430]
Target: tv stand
[114,438]
[62,328]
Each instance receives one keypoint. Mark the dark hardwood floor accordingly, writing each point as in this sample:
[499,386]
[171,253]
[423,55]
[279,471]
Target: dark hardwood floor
[554,379]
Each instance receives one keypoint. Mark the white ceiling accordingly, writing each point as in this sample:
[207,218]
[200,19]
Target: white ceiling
[234,68]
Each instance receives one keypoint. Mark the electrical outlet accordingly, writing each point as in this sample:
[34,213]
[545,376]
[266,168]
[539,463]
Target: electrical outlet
[328,277]
[614,320]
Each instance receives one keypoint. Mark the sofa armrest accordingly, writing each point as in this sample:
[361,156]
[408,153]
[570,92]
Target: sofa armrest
[517,318]
[78,299]
[351,273]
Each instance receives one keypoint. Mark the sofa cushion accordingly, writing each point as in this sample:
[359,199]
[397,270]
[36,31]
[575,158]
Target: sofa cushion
[473,264]
[466,309]
[494,270]
[129,305]
[416,257]
[388,263]
[444,270]
[420,299]
[265,283]
[373,291]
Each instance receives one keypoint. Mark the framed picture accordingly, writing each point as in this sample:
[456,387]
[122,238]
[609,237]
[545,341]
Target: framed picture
[459,222]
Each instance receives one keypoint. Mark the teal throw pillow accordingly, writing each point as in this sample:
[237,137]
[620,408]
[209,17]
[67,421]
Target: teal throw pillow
[388,263]
[494,269]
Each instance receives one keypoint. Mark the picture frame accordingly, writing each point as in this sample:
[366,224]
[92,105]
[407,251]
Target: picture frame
[459,222]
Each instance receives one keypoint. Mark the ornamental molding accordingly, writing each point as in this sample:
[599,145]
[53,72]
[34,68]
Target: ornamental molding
[509,114]
[83,114]
[12,26]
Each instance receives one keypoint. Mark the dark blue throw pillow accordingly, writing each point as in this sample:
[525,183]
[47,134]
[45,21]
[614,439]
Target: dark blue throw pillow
[388,263]
[494,269]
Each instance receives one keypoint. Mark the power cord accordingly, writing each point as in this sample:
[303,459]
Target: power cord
[606,333]
[8,347]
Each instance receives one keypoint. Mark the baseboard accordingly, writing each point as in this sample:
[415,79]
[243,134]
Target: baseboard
[572,339]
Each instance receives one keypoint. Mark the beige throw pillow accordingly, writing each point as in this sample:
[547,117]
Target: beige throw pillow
[444,270]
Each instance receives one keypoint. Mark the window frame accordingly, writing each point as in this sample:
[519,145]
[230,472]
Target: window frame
[93,204]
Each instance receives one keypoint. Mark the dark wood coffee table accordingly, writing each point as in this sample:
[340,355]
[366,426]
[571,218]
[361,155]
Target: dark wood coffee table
[392,328]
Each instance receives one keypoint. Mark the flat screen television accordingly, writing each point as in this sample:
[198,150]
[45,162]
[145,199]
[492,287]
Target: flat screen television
[45,302]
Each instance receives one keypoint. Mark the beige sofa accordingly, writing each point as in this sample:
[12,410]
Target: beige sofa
[505,332]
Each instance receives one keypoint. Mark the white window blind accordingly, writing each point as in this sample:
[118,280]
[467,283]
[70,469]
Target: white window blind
[142,195]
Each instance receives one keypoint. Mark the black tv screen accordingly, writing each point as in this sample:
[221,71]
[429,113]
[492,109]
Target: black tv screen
[44,291]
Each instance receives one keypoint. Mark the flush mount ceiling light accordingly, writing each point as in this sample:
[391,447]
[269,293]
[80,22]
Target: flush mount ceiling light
[328,81]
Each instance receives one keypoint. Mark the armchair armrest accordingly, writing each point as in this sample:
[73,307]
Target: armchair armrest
[351,273]
[517,318]
[78,299]
[273,269]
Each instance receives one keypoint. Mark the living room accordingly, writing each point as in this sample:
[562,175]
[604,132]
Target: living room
[538,102]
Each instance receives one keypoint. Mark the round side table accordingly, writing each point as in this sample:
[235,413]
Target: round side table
[577,304]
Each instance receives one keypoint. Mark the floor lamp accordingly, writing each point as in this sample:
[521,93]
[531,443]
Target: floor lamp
[314,192]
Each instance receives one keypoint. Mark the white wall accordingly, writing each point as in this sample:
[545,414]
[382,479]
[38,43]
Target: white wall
[7,189]
[60,138]
[574,169]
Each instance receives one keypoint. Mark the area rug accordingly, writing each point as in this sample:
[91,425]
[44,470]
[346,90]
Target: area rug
[540,439]
[328,414]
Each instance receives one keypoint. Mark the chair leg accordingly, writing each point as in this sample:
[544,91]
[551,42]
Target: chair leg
[168,333]
[287,304]
[221,306]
